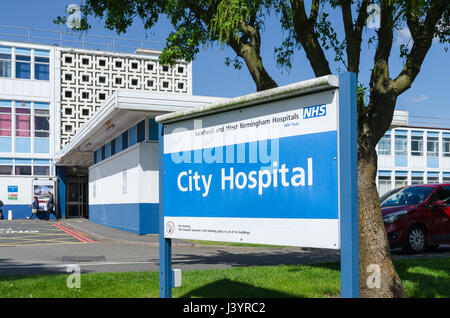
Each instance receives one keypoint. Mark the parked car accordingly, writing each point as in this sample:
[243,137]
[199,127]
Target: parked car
[417,217]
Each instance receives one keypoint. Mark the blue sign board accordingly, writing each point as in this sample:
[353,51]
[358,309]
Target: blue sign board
[13,189]
[278,171]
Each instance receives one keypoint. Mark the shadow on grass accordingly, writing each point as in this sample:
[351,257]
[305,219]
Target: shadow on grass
[226,288]
[428,278]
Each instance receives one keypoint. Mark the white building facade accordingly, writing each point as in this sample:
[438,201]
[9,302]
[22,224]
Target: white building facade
[47,94]
[413,155]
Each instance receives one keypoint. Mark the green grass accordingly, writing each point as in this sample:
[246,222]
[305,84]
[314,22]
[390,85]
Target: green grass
[421,278]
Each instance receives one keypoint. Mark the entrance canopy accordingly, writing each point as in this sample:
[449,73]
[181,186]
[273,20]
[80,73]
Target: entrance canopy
[120,111]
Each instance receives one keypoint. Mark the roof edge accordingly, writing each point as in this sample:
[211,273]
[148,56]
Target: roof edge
[269,95]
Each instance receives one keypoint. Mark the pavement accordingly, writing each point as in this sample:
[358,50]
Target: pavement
[105,233]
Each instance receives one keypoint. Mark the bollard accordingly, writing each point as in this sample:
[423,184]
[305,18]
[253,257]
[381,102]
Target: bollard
[10,215]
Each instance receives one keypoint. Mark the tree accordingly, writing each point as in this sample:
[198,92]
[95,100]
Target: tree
[237,23]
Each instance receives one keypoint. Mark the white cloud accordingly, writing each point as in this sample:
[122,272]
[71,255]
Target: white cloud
[404,37]
[420,98]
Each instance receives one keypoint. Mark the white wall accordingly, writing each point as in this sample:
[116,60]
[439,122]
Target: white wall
[140,165]
[25,190]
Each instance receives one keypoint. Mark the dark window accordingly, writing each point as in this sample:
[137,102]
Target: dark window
[125,140]
[141,131]
[85,61]
[180,85]
[102,96]
[68,59]
[103,153]
[6,170]
[118,80]
[85,95]
[41,170]
[443,194]
[150,67]
[118,64]
[23,170]
[102,79]
[68,111]
[150,83]
[102,62]
[134,82]
[113,147]
[68,128]
[85,112]
[134,65]
[68,94]
[165,84]
[68,77]
[180,69]
[165,68]
[85,78]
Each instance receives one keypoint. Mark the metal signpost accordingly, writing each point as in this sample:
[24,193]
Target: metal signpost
[276,167]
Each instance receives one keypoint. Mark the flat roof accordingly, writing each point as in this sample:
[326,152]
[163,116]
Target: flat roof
[269,95]
[119,112]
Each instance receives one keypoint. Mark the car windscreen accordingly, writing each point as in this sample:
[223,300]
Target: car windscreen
[406,196]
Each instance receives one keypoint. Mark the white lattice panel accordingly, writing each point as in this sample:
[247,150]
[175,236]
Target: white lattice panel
[87,80]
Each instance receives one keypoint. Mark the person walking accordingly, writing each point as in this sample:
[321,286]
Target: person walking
[1,211]
[50,206]
[34,208]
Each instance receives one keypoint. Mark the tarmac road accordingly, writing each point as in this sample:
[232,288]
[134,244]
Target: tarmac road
[41,247]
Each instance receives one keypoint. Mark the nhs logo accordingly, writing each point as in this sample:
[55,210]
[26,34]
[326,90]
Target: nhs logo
[314,111]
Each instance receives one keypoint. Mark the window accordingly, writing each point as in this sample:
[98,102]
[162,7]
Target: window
[41,65]
[416,177]
[118,64]
[6,167]
[401,180]
[22,168]
[134,66]
[68,77]
[41,171]
[23,63]
[134,82]
[68,59]
[446,177]
[41,120]
[401,145]
[180,69]
[102,62]
[443,194]
[85,78]
[165,68]
[5,61]
[85,61]
[384,145]
[165,84]
[41,167]
[446,145]
[102,79]
[180,85]
[384,184]
[416,144]
[23,119]
[125,140]
[432,177]
[432,146]
[5,118]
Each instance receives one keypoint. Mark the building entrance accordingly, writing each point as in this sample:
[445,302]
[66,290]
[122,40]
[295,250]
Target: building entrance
[77,193]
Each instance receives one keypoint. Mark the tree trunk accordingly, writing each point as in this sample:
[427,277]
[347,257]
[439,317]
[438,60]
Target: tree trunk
[255,66]
[377,275]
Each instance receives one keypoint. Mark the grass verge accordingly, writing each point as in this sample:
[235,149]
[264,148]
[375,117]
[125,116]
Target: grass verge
[421,278]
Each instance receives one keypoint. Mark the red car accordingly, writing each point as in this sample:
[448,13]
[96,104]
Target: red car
[417,217]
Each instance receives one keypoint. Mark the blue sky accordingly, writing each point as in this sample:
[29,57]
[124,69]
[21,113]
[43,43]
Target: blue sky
[427,100]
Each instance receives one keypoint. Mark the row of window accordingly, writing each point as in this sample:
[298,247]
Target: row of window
[386,182]
[25,167]
[419,144]
[127,139]
[24,63]
[21,122]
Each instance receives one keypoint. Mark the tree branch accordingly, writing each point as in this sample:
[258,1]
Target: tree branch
[304,33]
[423,37]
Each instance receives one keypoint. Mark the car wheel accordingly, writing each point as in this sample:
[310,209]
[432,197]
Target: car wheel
[416,241]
